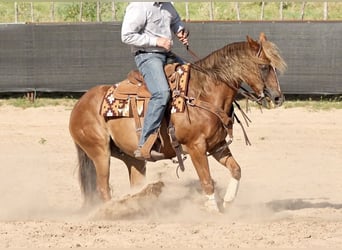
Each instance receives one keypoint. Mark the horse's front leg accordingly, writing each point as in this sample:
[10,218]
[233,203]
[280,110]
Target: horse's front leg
[200,161]
[226,158]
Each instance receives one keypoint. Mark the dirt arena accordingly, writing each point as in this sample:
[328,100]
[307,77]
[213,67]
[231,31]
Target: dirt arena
[290,194]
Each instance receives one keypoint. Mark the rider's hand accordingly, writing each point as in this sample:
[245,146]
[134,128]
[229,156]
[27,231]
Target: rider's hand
[183,36]
[164,43]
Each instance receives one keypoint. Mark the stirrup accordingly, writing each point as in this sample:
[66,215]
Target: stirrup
[147,152]
[153,156]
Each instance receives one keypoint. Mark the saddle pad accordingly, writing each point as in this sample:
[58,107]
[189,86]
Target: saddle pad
[117,102]
[178,92]
[113,107]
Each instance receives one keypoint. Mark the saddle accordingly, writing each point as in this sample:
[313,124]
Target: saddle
[121,98]
[130,97]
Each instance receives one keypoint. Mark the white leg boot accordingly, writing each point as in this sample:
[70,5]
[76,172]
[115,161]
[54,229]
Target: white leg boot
[231,192]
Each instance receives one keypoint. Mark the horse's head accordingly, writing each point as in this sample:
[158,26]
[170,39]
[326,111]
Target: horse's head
[263,77]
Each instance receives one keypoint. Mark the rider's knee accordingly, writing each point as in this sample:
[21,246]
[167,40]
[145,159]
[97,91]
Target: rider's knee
[162,96]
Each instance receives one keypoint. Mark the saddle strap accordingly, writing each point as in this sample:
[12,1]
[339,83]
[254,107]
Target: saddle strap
[136,116]
[220,113]
[176,146]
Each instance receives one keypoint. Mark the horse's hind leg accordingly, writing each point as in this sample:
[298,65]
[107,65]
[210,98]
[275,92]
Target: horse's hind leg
[136,168]
[137,172]
[226,158]
[102,175]
[94,163]
[94,176]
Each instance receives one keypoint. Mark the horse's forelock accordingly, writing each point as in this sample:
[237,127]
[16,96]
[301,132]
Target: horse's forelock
[272,53]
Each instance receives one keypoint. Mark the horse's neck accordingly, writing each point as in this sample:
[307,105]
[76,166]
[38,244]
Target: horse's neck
[207,89]
[219,75]
[227,64]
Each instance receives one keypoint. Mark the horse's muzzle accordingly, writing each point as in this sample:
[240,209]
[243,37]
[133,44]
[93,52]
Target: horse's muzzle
[272,99]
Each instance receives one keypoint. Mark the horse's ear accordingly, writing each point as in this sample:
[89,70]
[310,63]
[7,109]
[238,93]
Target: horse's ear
[262,37]
[253,44]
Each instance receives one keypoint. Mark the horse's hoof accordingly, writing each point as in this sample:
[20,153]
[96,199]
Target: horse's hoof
[213,209]
[227,204]
[211,203]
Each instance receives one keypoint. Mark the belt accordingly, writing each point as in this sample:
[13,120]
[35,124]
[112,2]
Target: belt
[138,52]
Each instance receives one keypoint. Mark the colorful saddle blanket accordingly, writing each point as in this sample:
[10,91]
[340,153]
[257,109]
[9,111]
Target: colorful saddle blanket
[131,95]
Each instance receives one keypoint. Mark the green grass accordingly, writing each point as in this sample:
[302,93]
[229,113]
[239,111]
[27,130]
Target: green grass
[310,104]
[23,102]
[198,11]
[313,105]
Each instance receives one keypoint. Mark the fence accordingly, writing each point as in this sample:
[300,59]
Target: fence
[190,10]
[75,57]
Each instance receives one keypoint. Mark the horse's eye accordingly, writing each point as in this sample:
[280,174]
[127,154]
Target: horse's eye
[264,67]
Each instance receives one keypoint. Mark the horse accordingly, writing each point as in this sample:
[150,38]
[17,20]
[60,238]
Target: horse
[214,84]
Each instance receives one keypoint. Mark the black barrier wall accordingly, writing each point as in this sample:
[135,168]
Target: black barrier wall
[76,57]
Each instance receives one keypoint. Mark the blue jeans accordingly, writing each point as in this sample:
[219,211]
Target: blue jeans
[151,66]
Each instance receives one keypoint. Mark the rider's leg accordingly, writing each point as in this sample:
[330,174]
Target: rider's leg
[151,65]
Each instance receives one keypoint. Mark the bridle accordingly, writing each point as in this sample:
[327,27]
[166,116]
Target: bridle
[264,72]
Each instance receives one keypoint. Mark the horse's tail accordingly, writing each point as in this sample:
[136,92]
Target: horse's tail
[87,176]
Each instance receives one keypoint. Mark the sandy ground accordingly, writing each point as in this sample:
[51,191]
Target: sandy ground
[290,194]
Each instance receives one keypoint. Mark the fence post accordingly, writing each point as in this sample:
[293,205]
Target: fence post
[237,10]
[32,13]
[16,12]
[81,11]
[52,12]
[113,12]
[187,16]
[211,14]
[281,10]
[98,9]
[302,11]
[262,10]
[325,11]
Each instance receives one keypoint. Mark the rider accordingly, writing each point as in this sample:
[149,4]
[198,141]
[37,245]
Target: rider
[148,28]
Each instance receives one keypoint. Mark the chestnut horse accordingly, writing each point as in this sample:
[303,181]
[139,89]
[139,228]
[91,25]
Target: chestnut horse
[214,81]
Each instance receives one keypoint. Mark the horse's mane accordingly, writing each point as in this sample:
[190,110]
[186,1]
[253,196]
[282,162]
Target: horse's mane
[228,63]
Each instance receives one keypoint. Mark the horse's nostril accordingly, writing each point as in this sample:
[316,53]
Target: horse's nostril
[278,100]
